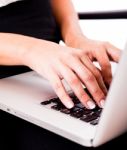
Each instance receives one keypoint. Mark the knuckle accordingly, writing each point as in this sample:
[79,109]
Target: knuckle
[65,56]
[107,66]
[75,53]
[83,96]
[89,77]
[71,57]
[97,73]
[68,56]
[73,80]
[80,53]
[98,93]
[74,56]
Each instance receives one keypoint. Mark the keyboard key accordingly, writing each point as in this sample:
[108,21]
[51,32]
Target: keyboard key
[45,102]
[88,118]
[55,100]
[65,111]
[72,95]
[87,112]
[56,107]
[79,105]
[94,122]
[79,111]
[74,109]
[97,113]
[74,98]
[77,114]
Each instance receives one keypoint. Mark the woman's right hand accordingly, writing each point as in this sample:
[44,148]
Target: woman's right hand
[56,62]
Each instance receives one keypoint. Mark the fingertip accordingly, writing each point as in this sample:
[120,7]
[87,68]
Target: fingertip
[102,103]
[69,104]
[91,104]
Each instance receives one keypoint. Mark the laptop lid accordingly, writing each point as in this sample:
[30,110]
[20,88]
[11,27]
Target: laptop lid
[113,121]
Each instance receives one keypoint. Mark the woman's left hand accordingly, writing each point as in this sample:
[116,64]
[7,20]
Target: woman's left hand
[103,52]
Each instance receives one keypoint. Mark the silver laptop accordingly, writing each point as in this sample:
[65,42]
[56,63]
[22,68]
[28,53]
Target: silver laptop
[31,97]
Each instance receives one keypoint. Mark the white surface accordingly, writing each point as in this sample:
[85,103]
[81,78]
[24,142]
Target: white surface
[100,5]
[113,31]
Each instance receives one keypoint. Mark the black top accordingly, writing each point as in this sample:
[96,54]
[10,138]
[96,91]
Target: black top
[28,17]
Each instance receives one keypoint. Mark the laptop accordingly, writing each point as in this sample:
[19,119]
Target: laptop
[32,98]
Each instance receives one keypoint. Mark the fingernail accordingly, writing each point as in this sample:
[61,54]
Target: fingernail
[69,104]
[91,104]
[102,103]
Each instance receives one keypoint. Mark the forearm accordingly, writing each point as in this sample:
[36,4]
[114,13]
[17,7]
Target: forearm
[67,18]
[12,48]
[15,49]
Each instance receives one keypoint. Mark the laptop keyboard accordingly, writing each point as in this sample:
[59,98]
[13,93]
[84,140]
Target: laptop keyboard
[78,111]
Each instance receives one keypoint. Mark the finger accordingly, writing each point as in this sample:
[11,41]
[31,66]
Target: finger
[88,80]
[105,65]
[60,89]
[76,85]
[87,62]
[113,52]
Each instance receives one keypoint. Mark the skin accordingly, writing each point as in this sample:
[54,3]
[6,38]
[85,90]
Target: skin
[72,62]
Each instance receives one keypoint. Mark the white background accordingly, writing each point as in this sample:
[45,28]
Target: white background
[114,31]
[99,5]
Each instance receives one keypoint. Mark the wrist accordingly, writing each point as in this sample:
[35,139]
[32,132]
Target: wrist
[25,49]
[35,49]
[72,39]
